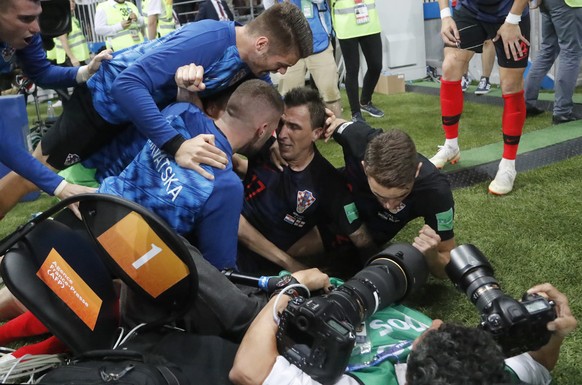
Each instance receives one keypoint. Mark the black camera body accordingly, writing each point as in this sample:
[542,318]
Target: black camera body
[517,326]
[315,336]
[318,334]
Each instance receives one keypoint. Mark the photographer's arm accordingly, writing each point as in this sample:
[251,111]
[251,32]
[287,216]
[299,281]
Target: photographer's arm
[563,325]
[252,239]
[257,352]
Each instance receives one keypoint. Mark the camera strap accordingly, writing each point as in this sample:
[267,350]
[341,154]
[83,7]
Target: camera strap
[393,352]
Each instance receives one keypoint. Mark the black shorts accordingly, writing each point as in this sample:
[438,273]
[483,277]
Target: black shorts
[78,132]
[474,32]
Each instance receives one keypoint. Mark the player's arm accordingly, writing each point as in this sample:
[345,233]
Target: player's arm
[437,253]
[253,240]
[362,239]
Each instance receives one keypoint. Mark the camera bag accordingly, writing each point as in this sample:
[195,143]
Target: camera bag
[156,358]
[116,366]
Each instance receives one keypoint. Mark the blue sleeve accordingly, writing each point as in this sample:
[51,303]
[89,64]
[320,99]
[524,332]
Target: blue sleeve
[36,66]
[20,161]
[217,231]
[134,87]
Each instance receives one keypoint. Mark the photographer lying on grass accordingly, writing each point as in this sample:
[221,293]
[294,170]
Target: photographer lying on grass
[440,354]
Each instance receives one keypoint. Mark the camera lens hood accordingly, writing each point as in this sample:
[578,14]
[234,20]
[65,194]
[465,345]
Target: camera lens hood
[409,260]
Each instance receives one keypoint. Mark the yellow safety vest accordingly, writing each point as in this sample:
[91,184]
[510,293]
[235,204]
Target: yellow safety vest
[115,14]
[574,3]
[144,12]
[166,24]
[354,19]
[166,20]
[77,43]
[52,54]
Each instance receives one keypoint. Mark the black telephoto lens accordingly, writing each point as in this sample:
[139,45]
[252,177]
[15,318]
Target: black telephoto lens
[472,273]
[389,277]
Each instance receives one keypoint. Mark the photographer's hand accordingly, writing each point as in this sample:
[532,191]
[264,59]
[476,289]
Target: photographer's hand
[257,352]
[563,325]
[313,278]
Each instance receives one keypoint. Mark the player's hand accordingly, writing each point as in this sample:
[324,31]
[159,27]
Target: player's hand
[190,77]
[201,150]
[71,189]
[132,17]
[329,119]
[427,242]
[332,126]
[514,43]
[125,23]
[450,33]
[313,278]
[276,157]
[95,63]
[565,322]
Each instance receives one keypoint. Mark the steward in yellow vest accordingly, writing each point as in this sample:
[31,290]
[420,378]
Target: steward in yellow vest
[355,18]
[76,44]
[160,17]
[120,22]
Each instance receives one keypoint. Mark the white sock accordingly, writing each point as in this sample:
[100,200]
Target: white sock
[452,143]
[507,163]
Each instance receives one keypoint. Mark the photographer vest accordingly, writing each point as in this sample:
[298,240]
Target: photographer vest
[166,22]
[116,14]
[355,18]
[77,44]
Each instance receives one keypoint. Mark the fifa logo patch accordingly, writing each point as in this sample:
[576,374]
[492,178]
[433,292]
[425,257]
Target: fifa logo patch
[304,200]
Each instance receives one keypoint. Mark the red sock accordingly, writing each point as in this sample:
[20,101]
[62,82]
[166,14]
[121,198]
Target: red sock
[512,124]
[25,325]
[451,107]
[51,345]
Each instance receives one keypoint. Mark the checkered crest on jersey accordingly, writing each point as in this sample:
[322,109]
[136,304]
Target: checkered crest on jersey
[304,200]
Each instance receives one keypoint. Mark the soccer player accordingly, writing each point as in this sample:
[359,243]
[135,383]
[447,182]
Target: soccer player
[474,21]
